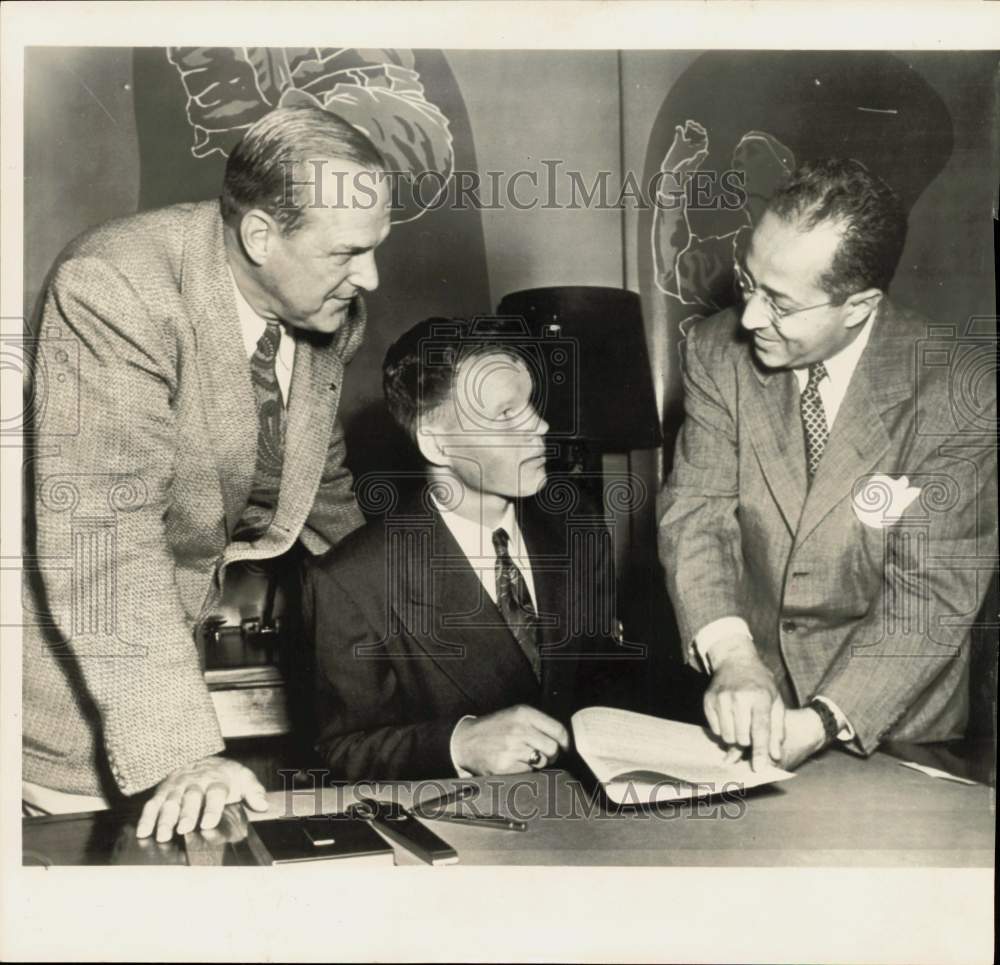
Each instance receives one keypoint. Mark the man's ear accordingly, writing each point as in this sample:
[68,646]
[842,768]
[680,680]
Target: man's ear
[862,305]
[258,231]
[430,446]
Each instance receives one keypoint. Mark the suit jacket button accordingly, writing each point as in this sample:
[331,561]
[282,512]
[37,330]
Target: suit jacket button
[789,626]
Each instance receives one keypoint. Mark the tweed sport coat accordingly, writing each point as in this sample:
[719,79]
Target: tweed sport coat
[876,619]
[408,641]
[142,457]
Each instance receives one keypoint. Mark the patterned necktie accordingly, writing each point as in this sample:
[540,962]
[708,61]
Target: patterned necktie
[814,418]
[514,602]
[270,435]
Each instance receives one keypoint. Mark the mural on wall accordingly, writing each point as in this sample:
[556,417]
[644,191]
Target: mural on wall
[377,91]
[721,145]
[193,104]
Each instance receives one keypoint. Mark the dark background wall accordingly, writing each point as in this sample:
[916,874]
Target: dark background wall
[87,159]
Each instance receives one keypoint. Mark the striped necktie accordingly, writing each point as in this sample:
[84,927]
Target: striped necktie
[514,602]
[271,419]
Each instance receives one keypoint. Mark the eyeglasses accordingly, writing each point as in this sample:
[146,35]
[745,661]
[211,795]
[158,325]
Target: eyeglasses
[775,315]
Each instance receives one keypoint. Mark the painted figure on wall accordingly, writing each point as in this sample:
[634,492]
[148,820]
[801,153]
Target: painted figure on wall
[720,146]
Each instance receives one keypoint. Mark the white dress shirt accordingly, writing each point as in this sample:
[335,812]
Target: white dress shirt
[252,327]
[839,369]
[476,542]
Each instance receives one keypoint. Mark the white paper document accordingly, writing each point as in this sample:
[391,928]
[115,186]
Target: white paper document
[648,760]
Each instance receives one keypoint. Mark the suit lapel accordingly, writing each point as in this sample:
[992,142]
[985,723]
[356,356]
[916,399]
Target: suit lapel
[770,411]
[312,406]
[859,438]
[223,367]
[450,616]
[551,573]
[227,392]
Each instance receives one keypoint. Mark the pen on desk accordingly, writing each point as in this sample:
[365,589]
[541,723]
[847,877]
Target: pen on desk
[452,797]
[480,820]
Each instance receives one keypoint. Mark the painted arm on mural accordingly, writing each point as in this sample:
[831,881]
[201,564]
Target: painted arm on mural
[702,216]
[378,91]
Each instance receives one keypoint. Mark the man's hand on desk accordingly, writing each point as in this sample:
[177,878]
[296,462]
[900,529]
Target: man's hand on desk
[804,736]
[503,743]
[201,789]
[742,703]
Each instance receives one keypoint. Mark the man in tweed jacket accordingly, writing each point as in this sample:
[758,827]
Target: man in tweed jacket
[141,475]
[827,571]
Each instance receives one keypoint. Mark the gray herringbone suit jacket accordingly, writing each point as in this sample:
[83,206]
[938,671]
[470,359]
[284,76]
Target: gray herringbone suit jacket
[875,619]
[143,456]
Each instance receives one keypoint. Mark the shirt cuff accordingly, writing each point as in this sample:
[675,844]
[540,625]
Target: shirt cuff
[846,732]
[712,633]
[460,771]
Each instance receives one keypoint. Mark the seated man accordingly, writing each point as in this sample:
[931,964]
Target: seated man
[460,633]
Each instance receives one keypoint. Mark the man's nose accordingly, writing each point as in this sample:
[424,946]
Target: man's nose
[542,427]
[755,314]
[364,273]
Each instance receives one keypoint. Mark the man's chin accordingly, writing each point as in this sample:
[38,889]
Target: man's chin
[769,356]
[532,480]
[328,320]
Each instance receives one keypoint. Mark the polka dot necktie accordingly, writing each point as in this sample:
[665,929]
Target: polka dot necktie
[814,418]
[514,602]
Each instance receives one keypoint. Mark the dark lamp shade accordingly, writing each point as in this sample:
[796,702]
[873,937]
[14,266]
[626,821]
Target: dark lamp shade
[598,384]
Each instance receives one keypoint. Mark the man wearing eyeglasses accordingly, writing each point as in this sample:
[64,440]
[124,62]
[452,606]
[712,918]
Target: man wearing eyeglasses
[829,525]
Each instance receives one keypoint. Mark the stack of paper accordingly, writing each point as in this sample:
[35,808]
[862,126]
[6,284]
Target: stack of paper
[647,760]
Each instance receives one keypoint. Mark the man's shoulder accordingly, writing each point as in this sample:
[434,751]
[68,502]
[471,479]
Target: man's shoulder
[942,365]
[354,554]
[719,341]
[146,238]
[361,556]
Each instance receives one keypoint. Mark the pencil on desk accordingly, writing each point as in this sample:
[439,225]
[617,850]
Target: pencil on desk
[451,797]
[480,820]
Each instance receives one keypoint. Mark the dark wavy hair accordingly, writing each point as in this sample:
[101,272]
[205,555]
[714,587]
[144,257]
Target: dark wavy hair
[278,147]
[845,192]
[420,367]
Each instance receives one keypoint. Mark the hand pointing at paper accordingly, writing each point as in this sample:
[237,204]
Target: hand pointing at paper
[742,704]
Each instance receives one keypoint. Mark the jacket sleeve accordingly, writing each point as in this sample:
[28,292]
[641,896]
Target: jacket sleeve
[104,439]
[365,730]
[937,563]
[699,533]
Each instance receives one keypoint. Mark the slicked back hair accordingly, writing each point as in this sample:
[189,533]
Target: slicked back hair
[421,366]
[845,193]
[277,150]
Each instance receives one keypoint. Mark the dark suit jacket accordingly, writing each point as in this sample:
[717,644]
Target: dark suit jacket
[408,641]
[875,618]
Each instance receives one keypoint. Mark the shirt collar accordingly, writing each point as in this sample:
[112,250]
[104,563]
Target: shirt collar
[840,367]
[476,540]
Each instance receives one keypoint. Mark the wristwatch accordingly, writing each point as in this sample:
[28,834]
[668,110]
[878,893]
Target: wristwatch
[830,726]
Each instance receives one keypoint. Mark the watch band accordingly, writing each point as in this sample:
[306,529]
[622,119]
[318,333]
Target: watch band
[830,726]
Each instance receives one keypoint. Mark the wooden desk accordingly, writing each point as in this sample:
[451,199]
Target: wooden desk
[838,811]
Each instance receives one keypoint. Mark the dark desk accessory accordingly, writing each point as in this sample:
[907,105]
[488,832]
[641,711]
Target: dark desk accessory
[324,837]
[495,821]
[432,809]
[108,838]
[398,825]
[232,842]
